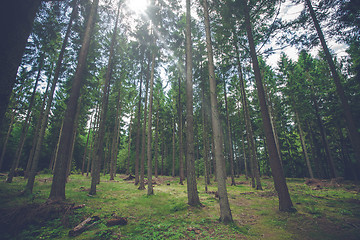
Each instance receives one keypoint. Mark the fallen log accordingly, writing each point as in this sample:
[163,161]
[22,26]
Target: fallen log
[83,226]
[116,221]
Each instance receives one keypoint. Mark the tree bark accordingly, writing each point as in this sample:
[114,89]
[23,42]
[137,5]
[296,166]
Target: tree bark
[58,185]
[225,212]
[193,197]
[129,146]
[16,21]
[285,203]
[156,141]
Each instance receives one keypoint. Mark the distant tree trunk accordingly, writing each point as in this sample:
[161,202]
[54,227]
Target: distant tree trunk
[285,203]
[86,149]
[58,185]
[156,141]
[129,146]
[56,150]
[245,159]
[16,21]
[205,141]
[193,197]
[26,124]
[231,151]
[95,178]
[7,138]
[143,137]
[349,170]
[173,151]
[329,158]
[352,129]
[138,129]
[115,137]
[181,150]
[303,145]
[162,158]
[225,212]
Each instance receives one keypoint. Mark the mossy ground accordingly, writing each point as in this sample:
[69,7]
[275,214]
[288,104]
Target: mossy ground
[322,213]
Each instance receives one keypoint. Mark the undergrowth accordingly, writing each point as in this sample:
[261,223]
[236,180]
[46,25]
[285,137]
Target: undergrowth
[325,213]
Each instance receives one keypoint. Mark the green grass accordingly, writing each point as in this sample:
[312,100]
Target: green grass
[328,213]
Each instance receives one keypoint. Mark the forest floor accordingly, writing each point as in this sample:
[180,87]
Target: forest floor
[325,210]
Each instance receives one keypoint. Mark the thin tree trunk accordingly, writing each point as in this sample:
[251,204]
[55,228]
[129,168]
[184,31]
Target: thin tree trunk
[129,146]
[225,212]
[245,159]
[156,141]
[349,119]
[250,135]
[173,151]
[115,139]
[285,203]
[231,151]
[138,130]
[329,158]
[95,178]
[57,148]
[7,138]
[143,137]
[181,150]
[86,149]
[59,180]
[26,124]
[149,131]
[303,145]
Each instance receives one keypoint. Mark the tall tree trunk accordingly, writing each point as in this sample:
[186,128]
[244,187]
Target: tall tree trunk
[26,124]
[285,203]
[352,129]
[16,21]
[225,212]
[105,100]
[231,151]
[138,129]
[143,137]
[181,150]
[149,131]
[59,180]
[249,130]
[193,197]
[43,119]
[56,150]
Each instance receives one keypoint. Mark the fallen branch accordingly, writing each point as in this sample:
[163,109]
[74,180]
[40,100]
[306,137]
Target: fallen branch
[83,226]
